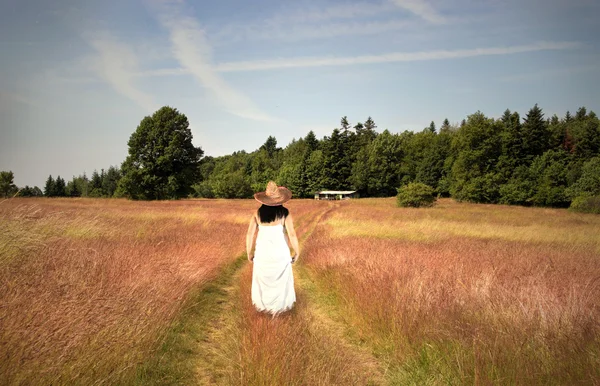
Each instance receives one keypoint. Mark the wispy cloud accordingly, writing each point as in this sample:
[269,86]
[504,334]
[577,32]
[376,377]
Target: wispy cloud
[297,32]
[295,23]
[261,65]
[332,12]
[193,51]
[276,64]
[117,64]
[422,9]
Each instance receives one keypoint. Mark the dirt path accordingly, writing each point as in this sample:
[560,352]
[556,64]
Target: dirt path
[220,339]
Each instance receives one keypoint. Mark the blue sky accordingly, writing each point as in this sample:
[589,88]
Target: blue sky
[77,77]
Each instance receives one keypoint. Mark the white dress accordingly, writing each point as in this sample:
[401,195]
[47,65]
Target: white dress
[272,277]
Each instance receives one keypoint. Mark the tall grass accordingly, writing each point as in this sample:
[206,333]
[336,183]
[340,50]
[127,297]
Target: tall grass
[289,349]
[112,291]
[468,305]
[223,340]
[87,286]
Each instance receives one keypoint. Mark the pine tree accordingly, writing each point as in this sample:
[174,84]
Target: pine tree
[535,134]
[312,143]
[270,146]
[73,188]
[568,117]
[581,114]
[345,126]
[445,126]
[365,133]
[60,188]
[96,184]
[49,190]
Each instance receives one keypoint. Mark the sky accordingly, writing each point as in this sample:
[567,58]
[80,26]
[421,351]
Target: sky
[78,76]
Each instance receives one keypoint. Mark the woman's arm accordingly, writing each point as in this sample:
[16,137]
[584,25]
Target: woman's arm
[289,226]
[250,237]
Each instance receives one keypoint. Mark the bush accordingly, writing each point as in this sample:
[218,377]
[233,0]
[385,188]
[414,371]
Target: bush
[586,204]
[415,195]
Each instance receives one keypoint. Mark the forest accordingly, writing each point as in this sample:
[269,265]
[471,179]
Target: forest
[531,160]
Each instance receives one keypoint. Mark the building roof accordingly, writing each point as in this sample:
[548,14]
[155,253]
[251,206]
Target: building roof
[336,192]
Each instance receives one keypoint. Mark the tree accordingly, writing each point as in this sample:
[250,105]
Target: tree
[431,168]
[585,135]
[445,126]
[96,184]
[110,180]
[568,117]
[337,163]
[28,191]
[7,186]
[536,137]
[232,185]
[368,130]
[589,182]
[315,172]
[73,188]
[60,187]
[49,187]
[162,161]
[344,125]
[549,176]
[477,145]
[312,143]
[385,159]
[370,124]
[270,146]
[431,127]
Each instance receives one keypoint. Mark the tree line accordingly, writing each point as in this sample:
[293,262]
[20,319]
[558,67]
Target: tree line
[103,184]
[534,160]
[530,161]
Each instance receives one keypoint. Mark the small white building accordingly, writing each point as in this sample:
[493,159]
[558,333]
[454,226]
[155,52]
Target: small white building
[336,195]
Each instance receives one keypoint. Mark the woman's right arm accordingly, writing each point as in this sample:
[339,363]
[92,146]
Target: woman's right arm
[250,237]
[289,226]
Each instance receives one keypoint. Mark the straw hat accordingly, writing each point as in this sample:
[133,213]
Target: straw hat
[274,195]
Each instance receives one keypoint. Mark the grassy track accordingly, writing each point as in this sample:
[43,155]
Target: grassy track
[220,339]
[187,355]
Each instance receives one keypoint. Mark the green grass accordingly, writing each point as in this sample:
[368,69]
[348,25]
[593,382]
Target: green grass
[176,361]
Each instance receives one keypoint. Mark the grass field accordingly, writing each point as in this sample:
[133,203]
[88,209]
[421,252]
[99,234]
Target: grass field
[119,292]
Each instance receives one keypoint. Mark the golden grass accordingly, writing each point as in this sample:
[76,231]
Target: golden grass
[292,349]
[450,220]
[485,300]
[112,291]
[222,340]
[87,285]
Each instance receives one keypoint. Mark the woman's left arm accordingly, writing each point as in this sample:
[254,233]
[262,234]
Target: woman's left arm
[250,237]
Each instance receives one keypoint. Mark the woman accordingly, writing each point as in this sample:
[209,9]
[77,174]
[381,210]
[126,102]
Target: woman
[272,277]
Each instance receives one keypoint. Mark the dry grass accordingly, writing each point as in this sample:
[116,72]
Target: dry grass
[111,291]
[292,349]
[88,285]
[222,340]
[471,305]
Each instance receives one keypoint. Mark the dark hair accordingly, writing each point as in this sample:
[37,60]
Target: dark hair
[269,214]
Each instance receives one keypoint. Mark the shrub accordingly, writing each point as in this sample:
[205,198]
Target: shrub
[415,195]
[586,204]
